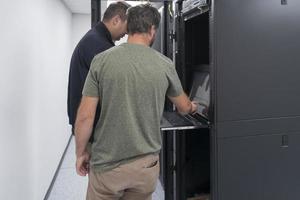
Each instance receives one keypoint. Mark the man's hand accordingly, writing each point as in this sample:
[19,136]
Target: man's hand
[183,104]
[194,107]
[83,131]
[82,164]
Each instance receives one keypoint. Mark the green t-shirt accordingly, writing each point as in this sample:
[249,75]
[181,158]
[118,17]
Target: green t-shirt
[131,81]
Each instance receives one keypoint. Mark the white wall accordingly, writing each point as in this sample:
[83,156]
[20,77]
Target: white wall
[35,47]
[81,23]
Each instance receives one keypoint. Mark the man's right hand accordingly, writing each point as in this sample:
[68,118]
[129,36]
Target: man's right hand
[194,107]
[82,164]
[183,104]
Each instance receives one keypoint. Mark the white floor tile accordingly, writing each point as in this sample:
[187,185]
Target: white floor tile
[70,157]
[69,186]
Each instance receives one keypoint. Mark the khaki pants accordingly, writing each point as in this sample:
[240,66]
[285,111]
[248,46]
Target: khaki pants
[132,181]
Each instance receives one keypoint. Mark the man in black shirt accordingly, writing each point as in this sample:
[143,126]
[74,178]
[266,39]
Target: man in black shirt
[96,40]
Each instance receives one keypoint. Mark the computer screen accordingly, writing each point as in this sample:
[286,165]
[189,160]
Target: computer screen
[200,91]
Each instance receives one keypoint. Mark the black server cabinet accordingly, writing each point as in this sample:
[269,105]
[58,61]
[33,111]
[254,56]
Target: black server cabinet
[164,44]
[250,49]
[188,159]
[257,114]
[192,146]
[95,12]
[250,168]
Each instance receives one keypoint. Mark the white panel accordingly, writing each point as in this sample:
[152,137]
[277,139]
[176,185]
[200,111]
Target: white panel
[81,23]
[35,40]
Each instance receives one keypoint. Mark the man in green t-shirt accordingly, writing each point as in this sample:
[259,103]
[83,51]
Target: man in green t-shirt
[130,83]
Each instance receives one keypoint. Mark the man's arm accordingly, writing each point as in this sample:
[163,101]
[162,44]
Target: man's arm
[83,130]
[183,104]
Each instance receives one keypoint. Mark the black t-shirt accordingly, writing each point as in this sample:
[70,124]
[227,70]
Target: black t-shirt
[95,41]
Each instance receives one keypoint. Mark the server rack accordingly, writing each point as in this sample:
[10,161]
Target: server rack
[95,12]
[249,151]
[256,48]
[193,147]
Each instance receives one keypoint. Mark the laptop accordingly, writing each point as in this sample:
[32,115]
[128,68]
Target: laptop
[200,93]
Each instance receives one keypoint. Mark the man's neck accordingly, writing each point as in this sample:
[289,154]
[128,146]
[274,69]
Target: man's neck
[138,39]
[109,28]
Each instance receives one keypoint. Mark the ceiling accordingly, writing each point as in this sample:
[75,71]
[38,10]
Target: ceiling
[79,6]
[84,6]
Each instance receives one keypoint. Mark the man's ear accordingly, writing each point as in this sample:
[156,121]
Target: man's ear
[152,31]
[116,19]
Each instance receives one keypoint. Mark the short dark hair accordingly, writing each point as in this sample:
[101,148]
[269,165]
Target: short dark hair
[141,18]
[114,9]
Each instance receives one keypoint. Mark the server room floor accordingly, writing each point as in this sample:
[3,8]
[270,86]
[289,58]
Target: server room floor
[69,186]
